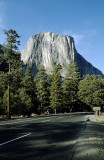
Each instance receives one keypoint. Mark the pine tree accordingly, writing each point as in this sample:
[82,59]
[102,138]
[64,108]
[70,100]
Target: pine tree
[98,94]
[91,90]
[27,94]
[42,89]
[3,86]
[12,59]
[70,86]
[56,89]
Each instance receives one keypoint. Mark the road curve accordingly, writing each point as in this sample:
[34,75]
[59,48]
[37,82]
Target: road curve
[41,138]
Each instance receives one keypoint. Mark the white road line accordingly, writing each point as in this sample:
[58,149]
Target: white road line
[14,139]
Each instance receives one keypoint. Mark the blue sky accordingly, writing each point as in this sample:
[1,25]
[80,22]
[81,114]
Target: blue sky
[82,19]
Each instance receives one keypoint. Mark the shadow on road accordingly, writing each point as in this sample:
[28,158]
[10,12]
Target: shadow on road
[48,141]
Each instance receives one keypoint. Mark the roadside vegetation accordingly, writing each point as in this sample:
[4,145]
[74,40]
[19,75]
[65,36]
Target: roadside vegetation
[22,94]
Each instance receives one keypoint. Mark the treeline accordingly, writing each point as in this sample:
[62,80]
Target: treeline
[22,93]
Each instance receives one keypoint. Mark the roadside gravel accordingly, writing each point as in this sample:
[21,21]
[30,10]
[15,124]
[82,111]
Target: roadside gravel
[90,144]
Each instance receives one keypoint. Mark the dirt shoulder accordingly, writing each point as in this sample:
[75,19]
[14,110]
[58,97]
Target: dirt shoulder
[90,144]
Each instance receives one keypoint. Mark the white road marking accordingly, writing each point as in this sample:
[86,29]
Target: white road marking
[15,139]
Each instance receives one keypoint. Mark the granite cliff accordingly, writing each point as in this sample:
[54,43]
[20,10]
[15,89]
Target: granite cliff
[49,49]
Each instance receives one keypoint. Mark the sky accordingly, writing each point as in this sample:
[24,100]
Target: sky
[81,19]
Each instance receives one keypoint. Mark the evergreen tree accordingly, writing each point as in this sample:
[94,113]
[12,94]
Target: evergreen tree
[12,59]
[98,94]
[85,92]
[42,89]
[27,95]
[91,90]
[70,87]
[56,89]
[3,87]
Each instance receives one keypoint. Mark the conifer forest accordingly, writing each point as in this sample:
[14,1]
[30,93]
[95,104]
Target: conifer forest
[23,94]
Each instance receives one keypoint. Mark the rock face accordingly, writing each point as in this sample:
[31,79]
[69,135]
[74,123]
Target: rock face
[49,49]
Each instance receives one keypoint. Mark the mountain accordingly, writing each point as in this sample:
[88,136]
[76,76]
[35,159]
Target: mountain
[49,49]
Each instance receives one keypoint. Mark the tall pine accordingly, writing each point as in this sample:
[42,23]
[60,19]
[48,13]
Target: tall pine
[12,58]
[70,86]
[27,94]
[42,89]
[56,89]
[3,87]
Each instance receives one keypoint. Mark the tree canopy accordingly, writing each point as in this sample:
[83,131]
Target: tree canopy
[56,89]
[22,94]
[91,90]
[70,86]
[12,59]
[42,89]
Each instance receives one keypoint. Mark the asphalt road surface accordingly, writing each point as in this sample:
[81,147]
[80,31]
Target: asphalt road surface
[41,138]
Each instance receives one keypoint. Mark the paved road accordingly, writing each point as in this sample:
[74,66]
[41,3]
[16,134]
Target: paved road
[41,138]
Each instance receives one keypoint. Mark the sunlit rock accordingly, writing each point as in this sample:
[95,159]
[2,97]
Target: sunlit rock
[49,49]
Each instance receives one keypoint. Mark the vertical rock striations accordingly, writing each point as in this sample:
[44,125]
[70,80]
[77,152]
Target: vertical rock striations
[49,49]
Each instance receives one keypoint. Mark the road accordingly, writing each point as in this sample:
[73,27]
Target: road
[41,138]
